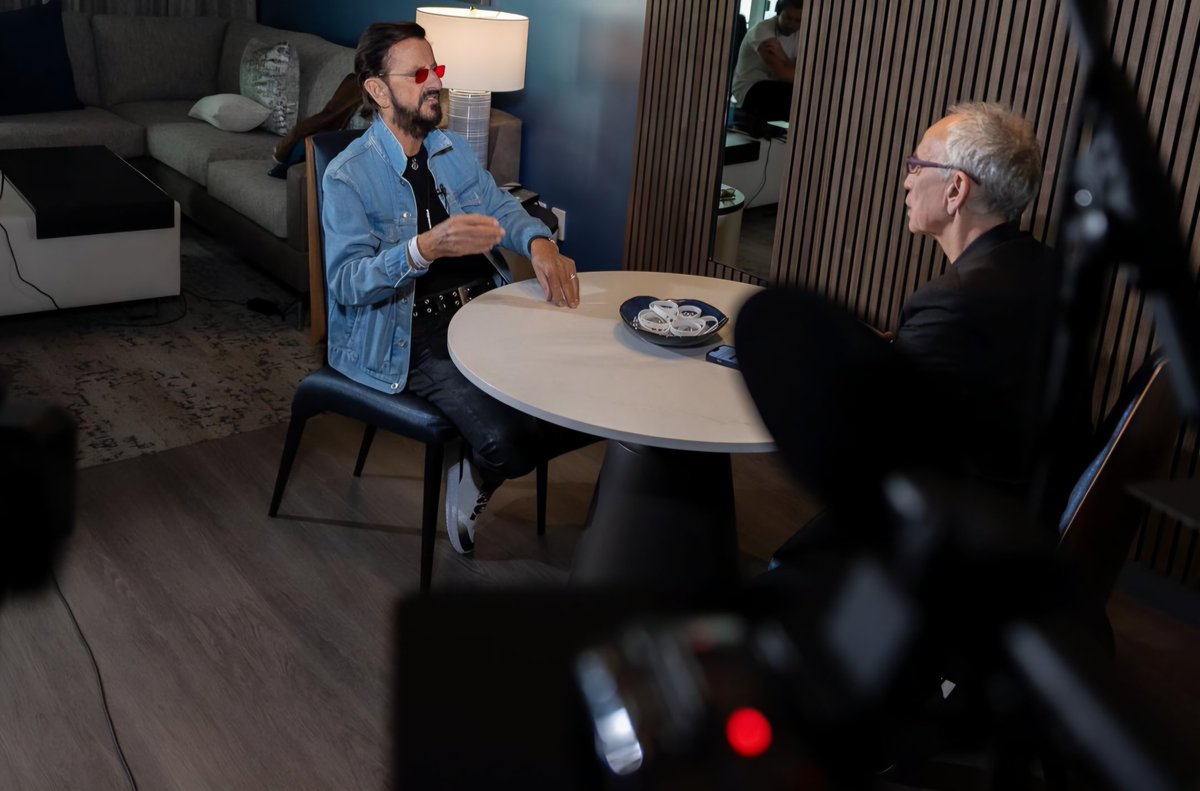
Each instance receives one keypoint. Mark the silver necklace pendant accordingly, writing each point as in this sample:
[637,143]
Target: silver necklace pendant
[414,164]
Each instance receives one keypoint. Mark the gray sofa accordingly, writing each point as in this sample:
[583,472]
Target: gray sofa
[139,75]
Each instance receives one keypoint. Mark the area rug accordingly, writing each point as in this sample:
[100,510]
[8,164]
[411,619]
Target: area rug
[148,376]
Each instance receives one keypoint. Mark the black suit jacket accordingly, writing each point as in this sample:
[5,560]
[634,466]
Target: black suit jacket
[981,333]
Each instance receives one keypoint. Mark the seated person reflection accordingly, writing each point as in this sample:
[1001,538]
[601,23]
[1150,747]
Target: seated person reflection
[410,219]
[766,65]
[979,333]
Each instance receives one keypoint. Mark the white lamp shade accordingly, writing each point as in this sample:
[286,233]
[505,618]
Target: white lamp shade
[482,50]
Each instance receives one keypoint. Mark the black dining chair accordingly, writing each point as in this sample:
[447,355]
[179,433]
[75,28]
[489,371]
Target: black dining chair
[327,390]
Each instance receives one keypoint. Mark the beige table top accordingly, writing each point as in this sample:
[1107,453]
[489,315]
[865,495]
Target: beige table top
[585,370]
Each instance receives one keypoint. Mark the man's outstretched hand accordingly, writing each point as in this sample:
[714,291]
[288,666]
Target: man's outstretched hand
[462,234]
[555,272]
[471,234]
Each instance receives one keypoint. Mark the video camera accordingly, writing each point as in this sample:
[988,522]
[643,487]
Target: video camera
[37,489]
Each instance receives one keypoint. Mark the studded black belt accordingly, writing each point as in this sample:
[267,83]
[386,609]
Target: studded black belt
[450,300]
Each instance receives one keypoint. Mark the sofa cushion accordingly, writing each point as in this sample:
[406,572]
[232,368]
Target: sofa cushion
[323,64]
[270,75]
[145,57]
[229,111]
[34,62]
[188,145]
[81,47]
[244,186]
[87,127]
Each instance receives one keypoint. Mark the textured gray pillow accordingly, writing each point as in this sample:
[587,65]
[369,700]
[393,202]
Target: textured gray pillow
[270,75]
[230,112]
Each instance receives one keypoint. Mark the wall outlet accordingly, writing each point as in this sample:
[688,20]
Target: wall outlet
[561,214]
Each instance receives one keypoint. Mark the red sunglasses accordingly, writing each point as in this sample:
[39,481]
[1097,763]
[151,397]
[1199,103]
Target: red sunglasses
[420,75]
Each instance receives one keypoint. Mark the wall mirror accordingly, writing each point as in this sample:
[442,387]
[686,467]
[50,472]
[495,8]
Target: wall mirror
[683,110]
[753,159]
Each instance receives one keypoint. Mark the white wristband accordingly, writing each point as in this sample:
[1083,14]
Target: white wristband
[415,260]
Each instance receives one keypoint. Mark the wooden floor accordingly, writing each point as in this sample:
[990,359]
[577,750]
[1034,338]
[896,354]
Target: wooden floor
[242,652]
[757,240]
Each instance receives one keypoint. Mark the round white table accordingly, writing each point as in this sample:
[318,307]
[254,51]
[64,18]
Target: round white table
[663,509]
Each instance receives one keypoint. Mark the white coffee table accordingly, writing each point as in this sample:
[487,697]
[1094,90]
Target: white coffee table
[88,269]
[664,503]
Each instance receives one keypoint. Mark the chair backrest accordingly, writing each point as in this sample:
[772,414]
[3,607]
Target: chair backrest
[320,149]
[1102,517]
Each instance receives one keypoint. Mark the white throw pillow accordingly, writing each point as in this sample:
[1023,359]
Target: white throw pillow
[230,112]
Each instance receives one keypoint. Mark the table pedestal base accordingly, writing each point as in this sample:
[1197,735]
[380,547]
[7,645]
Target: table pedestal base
[661,519]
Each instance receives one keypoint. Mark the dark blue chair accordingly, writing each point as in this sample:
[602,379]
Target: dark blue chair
[327,390]
[1102,518]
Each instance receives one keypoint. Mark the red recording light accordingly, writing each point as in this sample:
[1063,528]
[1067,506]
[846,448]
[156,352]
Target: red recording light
[748,732]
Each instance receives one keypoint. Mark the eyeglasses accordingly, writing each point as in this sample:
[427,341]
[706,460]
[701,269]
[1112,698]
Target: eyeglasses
[912,166]
[419,76]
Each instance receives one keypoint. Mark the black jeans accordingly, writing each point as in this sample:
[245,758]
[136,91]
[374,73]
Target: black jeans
[505,443]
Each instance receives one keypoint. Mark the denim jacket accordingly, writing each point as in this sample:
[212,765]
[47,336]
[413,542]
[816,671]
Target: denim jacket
[368,215]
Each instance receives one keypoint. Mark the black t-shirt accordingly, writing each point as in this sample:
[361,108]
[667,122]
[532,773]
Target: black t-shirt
[444,273]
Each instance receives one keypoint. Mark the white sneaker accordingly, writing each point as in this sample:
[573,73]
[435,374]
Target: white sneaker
[467,496]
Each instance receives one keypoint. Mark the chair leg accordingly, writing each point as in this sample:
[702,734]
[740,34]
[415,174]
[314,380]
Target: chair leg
[591,512]
[363,450]
[543,472]
[290,446]
[431,499]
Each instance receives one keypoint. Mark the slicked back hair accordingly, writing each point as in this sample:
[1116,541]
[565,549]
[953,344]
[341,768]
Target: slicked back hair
[370,58]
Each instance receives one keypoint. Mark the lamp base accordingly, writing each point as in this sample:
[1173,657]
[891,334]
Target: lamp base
[470,116]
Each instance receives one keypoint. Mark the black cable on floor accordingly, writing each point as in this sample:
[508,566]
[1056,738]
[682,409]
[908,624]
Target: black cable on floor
[17,266]
[99,682]
[184,312]
[766,163]
[239,303]
[288,308]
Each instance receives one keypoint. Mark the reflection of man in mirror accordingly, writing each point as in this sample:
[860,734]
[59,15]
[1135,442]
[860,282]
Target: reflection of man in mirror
[766,65]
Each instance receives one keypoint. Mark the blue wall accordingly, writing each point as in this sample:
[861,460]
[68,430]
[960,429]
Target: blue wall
[578,107]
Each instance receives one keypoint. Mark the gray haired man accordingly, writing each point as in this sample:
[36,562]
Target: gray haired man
[981,329]
[978,332]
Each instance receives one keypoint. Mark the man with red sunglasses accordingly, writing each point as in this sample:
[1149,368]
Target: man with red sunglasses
[410,221]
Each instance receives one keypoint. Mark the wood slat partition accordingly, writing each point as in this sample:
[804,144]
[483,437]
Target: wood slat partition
[872,76]
[685,67]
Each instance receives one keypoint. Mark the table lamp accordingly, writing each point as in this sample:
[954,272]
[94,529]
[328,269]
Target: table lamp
[483,51]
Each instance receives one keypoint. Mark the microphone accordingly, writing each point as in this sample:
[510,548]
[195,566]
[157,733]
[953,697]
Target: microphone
[441,191]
